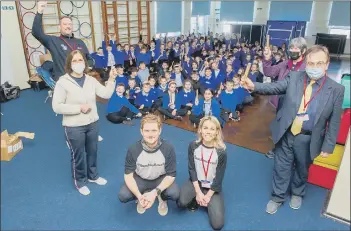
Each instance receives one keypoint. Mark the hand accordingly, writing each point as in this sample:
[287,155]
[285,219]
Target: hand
[174,112]
[113,73]
[41,6]
[139,114]
[200,198]
[85,108]
[267,53]
[247,84]
[150,197]
[196,101]
[324,154]
[207,199]
[142,200]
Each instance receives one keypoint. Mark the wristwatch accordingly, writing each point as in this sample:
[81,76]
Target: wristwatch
[158,191]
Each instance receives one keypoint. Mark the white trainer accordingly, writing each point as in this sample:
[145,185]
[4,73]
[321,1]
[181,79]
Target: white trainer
[84,190]
[100,138]
[162,207]
[99,181]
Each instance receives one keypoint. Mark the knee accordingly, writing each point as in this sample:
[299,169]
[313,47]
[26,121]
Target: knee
[125,195]
[172,193]
[218,223]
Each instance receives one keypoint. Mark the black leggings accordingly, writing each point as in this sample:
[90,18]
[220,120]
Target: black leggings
[195,118]
[119,117]
[225,115]
[186,108]
[168,112]
[215,207]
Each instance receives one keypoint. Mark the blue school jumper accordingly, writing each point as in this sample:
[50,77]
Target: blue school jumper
[215,109]
[253,76]
[236,65]
[186,97]
[143,99]
[100,60]
[240,94]
[116,103]
[146,58]
[166,101]
[228,101]
[210,83]
[132,94]
[137,80]
[220,77]
[122,79]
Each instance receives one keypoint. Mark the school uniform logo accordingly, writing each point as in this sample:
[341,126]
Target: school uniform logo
[79,48]
[64,47]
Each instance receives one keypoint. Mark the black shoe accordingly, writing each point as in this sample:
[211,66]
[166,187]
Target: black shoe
[193,206]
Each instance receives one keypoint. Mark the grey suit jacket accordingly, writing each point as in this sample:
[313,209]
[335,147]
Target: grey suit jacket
[327,120]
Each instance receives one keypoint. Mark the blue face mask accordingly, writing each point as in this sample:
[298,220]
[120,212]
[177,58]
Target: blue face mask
[315,72]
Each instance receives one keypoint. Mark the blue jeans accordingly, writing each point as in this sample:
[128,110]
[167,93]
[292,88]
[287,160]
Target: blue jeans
[82,142]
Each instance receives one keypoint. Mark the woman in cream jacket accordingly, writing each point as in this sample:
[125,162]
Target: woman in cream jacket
[75,98]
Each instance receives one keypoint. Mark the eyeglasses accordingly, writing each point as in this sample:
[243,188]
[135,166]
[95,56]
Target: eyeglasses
[319,64]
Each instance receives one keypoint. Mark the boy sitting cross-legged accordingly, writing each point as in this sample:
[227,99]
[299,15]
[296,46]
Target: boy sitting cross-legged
[119,109]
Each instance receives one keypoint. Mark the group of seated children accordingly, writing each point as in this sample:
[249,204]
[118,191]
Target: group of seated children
[176,95]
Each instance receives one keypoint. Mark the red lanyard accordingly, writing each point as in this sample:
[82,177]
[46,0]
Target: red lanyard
[203,162]
[304,91]
[75,45]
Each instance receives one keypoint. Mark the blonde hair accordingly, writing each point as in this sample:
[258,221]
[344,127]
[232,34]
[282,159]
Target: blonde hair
[151,118]
[218,140]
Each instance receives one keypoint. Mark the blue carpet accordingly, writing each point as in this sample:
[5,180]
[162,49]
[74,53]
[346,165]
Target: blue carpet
[37,192]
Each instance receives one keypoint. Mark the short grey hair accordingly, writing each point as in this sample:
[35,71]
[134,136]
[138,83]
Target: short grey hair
[300,43]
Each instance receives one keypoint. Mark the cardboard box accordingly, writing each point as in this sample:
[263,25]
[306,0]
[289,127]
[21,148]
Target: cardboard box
[12,144]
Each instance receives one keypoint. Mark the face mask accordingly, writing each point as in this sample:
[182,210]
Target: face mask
[78,68]
[314,72]
[294,55]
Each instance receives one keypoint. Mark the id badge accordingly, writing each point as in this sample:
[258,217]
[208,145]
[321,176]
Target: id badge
[206,184]
[303,117]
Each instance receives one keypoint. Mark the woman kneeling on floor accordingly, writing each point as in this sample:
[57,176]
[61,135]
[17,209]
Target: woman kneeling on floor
[75,98]
[207,163]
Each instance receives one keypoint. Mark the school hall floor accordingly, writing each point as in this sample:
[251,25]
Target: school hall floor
[37,192]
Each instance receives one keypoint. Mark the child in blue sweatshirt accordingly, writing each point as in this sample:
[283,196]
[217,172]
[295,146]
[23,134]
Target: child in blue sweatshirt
[132,90]
[206,106]
[229,101]
[241,94]
[100,65]
[171,104]
[186,96]
[143,57]
[119,109]
[144,99]
[207,81]
[134,75]
[121,78]
[154,92]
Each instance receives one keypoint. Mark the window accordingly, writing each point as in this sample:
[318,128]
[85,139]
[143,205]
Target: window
[227,28]
[199,24]
[340,31]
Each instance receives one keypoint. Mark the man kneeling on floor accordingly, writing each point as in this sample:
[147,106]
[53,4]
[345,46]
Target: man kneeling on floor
[150,169]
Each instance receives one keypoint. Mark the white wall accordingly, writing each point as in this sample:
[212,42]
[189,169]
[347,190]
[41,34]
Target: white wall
[13,62]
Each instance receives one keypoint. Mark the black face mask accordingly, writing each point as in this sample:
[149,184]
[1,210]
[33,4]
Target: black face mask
[294,55]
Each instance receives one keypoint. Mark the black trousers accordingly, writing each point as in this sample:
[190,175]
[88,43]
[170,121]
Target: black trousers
[82,141]
[119,117]
[215,208]
[225,115]
[146,110]
[291,151]
[195,118]
[168,112]
[131,101]
[171,193]
[126,65]
[186,108]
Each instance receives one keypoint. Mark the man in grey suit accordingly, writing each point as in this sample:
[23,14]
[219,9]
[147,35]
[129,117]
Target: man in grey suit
[306,126]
